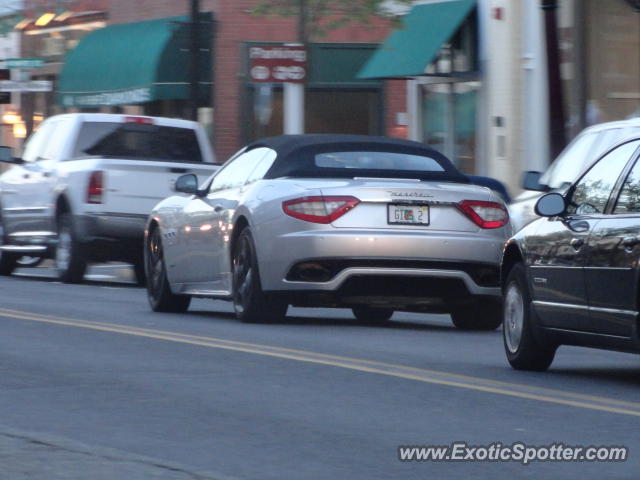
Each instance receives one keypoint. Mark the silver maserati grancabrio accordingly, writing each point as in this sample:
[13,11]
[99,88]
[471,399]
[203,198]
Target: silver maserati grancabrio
[368,223]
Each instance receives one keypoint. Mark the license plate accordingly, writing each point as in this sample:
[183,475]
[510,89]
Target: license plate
[407,214]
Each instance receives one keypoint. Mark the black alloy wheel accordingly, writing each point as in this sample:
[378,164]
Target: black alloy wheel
[250,302]
[159,294]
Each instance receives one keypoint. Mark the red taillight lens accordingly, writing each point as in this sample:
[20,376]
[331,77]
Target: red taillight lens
[95,187]
[319,209]
[485,214]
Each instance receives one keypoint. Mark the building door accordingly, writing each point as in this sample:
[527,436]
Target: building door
[449,119]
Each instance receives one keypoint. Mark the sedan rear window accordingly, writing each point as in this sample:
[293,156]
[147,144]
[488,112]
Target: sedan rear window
[137,142]
[377,161]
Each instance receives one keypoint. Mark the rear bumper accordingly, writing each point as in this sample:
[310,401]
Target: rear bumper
[449,258]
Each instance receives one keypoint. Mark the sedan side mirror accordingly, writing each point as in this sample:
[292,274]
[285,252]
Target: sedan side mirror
[531,181]
[550,205]
[187,184]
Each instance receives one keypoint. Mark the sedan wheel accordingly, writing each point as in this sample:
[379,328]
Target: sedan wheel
[159,294]
[513,317]
[524,351]
[250,302]
[70,257]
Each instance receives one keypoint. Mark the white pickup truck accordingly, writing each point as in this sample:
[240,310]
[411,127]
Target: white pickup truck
[85,185]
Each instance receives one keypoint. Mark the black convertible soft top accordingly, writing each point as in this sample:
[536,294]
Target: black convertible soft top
[296,156]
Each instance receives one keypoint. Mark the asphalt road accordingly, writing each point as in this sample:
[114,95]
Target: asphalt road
[93,385]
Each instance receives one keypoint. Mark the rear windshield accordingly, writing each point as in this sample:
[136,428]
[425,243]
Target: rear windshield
[137,142]
[359,159]
[377,161]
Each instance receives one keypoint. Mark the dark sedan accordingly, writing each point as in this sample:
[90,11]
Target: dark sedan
[571,277]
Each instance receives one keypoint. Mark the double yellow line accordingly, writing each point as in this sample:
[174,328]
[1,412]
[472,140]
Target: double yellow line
[400,371]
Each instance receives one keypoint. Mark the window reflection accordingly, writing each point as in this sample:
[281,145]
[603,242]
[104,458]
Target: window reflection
[629,198]
[593,190]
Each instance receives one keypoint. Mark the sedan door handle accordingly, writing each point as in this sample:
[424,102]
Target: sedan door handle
[218,208]
[577,243]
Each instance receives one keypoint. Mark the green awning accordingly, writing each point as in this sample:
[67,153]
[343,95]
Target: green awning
[411,48]
[133,63]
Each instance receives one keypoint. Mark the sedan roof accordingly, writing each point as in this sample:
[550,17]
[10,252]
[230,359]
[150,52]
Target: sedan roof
[296,152]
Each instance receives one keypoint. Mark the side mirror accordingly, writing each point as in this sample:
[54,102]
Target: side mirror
[531,181]
[187,184]
[550,205]
[6,156]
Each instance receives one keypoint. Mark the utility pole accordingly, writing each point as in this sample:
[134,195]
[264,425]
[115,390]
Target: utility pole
[194,53]
[302,22]
[557,133]
[293,93]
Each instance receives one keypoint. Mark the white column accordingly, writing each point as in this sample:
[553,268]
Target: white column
[293,108]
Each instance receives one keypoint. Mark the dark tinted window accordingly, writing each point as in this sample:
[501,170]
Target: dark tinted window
[593,190]
[629,198]
[363,159]
[377,161]
[138,142]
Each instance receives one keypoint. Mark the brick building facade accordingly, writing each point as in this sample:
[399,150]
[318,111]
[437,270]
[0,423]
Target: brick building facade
[234,26]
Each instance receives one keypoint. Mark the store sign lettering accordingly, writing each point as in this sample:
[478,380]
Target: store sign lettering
[278,64]
[137,95]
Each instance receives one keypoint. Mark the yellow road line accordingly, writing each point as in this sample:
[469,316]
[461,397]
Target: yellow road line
[400,371]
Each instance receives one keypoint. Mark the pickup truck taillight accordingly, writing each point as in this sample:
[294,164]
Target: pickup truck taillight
[95,187]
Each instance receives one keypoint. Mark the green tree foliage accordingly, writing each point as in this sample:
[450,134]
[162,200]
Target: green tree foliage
[319,17]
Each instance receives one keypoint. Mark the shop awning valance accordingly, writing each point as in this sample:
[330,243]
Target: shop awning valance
[133,63]
[411,48]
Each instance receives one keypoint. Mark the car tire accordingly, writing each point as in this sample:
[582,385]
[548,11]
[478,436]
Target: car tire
[250,303]
[70,254]
[8,261]
[482,315]
[372,315]
[524,351]
[159,294]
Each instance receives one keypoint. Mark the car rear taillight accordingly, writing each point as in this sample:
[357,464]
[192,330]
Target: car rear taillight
[95,187]
[485,214]
[319,209]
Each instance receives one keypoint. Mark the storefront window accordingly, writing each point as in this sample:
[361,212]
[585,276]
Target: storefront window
[326,111]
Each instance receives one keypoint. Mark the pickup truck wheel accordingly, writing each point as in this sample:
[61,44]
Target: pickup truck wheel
[7,260]
[140,272]
[70,255]
[250,302]
[372,315]
[159,294]
[483,315]
[28,261]
[524,351]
